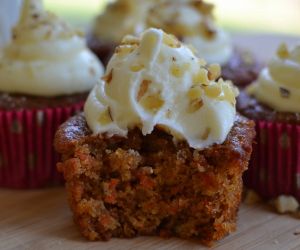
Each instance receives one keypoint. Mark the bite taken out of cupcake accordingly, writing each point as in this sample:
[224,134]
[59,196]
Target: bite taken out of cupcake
[46,72]
[159,149]
[273,101]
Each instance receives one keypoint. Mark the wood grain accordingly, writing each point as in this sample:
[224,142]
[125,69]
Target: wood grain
[38,220]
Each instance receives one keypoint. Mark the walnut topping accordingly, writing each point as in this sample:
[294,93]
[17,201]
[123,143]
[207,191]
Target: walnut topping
[283,51]
[143,89]
[130,40]
[195,105]
[201,77]
[124,50]
[171,41]
[214,71]
[105,117]
[136,67]
[152,103]
[213,91]
[206,133]
[176,70]
[109,77]
[285,93]
[195,93]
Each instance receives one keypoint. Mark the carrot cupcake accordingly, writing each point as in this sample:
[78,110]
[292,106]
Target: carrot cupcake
[120,18]
[46,73]
[193,23]
[159,149]
[273,101]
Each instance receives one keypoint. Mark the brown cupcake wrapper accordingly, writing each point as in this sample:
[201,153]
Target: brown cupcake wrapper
[27,156]
[274,168]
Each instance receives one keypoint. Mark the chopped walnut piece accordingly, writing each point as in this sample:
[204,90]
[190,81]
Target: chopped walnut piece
[286,204]
[213,91]
[143,89]
[152,103]
[206,133]
[130,40]
[136,67]
[177,70]
[124,50]
[194,93]
[251,198]
[214,71]
[107,78]
[195,105]
[105,117]
[171,41]
[201,77]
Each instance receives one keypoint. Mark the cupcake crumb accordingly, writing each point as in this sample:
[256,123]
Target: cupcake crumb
[251,197]
[286,204]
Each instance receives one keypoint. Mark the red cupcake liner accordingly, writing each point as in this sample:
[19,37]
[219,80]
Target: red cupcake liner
[27,156]
[274,168]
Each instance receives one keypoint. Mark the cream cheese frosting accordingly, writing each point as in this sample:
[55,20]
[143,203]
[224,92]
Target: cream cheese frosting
[155,81]
[120,18]
[278,85]
[46,57]
[192,22]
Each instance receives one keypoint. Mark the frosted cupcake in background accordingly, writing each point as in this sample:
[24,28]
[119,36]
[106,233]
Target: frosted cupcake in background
[192,22]
[120,18]
[46,72]
[273,101]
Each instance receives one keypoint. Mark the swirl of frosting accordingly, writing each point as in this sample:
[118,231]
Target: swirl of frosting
[46,57]
[155,81]
[192,22]
[120,18]
[278,85]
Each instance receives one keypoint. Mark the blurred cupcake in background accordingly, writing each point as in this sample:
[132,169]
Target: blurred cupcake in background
[8,21]
[193,23]
[46,72]
[120,18]
[273,101]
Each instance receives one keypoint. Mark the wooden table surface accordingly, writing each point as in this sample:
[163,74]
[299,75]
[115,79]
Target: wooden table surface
[42,220]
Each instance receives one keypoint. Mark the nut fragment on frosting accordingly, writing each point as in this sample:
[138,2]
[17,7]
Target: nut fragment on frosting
[192,22]
[156,81]
[46,57]
[278,85]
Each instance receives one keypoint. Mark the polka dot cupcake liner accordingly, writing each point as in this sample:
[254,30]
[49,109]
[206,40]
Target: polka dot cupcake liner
[27,156]
[275,165]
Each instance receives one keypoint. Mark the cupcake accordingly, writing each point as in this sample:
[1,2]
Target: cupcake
[120,18]
[193,23]
[273,101]
[46,72]
[159,149]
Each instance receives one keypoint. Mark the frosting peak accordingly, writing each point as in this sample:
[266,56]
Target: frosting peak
[156,81]
[278,85]
[46,56]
